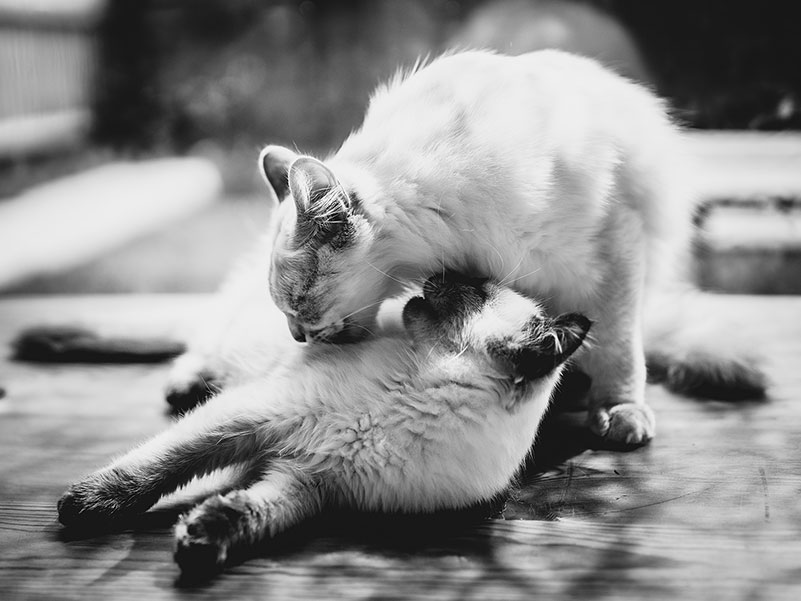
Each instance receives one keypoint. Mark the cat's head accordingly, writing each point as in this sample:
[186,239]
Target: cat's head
[323,274]
[512,331]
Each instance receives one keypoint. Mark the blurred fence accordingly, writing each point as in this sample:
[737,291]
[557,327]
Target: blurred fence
[148,75]
[48,60]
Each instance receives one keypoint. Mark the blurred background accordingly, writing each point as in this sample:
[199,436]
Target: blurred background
[129,129]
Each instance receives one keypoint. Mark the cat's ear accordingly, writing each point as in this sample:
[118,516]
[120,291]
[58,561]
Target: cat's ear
[315,188]
[274,163]
[547,344]
[551,343]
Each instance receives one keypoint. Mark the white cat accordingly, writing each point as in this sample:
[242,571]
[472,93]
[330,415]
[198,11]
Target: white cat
[546,172]
[439,416]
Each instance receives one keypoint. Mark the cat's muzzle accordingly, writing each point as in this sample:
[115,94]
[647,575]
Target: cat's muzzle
[296,328]
[344,332]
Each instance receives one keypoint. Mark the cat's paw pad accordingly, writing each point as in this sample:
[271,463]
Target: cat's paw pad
[627,423]
[201,548]
[190,383]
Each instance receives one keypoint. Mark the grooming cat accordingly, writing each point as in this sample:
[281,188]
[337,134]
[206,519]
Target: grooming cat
[546,172]
[438,416]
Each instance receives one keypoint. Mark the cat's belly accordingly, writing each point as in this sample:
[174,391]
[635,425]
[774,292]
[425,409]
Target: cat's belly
[462,459]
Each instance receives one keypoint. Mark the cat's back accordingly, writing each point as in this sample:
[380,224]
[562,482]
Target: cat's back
[544,100]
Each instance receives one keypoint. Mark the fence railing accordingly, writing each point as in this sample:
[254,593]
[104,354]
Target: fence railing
[48,61]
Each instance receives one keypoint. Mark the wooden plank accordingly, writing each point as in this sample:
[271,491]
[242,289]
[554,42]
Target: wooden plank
[708,511]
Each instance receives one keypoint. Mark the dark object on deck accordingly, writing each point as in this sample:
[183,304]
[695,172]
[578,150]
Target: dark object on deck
[70,344]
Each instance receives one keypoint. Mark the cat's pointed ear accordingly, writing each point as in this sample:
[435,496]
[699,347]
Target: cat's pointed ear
[274,163]
[552,342]
[548,344]
[309,182]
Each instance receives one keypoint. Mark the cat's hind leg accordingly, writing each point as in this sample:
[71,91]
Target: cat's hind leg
[221,433]
[281,498]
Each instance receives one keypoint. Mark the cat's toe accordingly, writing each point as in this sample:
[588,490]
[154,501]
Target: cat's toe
[630,424]
[69,508]
[197,553]
[198,560]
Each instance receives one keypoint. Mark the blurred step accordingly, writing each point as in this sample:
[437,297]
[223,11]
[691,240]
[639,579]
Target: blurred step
[750,189]
[750,194]
[69,221]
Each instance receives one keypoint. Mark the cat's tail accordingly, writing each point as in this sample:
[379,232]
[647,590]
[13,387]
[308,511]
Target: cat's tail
[696,350]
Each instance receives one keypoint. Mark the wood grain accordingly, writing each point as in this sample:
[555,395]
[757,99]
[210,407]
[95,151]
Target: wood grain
[710,510]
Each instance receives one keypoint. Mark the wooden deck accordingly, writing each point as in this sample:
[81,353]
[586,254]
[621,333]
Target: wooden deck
[710,510]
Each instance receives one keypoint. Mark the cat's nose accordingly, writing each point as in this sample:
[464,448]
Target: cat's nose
[298,333]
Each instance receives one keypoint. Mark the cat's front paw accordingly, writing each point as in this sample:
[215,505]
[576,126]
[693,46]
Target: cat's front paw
[627,423]
[190,383]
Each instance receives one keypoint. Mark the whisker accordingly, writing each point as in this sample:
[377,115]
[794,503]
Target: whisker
[525,275]
[378,302]
[365,328]
[511,271]
[497,252]
[384,273]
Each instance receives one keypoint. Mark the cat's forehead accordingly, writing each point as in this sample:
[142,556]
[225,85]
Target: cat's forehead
[317,233]
[305,279]
[293,276]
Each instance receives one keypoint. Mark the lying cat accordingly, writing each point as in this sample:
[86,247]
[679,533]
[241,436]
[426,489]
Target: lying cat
[440,415]
[546,172]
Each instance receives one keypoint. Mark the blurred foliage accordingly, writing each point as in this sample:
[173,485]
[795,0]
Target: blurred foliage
[724,64]
[242,72]
[236,74]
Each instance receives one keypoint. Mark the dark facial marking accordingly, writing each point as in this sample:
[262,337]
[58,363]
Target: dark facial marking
[314,231]
[355,201]
[538,354]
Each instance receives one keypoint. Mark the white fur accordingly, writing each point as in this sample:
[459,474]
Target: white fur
[544,171]
[434,419]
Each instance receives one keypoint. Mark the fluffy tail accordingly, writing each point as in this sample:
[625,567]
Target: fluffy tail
[696,348]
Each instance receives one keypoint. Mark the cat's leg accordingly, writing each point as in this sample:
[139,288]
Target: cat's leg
[281,498]
[616,360]
[218,434]
[194,378]
[241,320]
